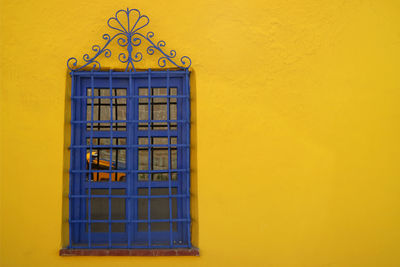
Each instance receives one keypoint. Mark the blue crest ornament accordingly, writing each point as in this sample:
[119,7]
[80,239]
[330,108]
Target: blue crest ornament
[127,23]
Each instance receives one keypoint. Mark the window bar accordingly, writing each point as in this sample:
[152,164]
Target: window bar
[139,221]
[138,74]
[187,92]
[81,107]
[169,163]
[136,197]
[110,160]
[129,146]
[129,141]
[99,104]
[128,121]
[181,160]
[132,171]
[71,175]
[116,129]
[90,162]
[149,178]
[117,97]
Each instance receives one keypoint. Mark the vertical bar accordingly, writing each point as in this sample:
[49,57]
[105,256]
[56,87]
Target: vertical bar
[149,178]
[71,175]
[99,107]
[187,126]
[78,109]
[110,159]
[129,161]
[169,162]
[181,159]
[80,159]
[90,162]
[116,129]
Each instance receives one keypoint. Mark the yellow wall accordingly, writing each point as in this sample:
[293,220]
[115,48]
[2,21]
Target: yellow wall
[296,128]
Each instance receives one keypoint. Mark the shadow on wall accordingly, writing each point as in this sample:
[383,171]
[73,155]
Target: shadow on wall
[66,158]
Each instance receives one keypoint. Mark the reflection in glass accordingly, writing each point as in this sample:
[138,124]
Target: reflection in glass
[158,159]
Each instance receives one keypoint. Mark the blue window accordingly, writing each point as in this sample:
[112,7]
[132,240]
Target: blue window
[130,159]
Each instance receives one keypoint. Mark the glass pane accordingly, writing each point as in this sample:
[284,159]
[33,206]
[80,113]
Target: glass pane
[143,164]
[119,109]
[99,209]
[102,108]
[159,159]
[159,209]
[173,115]
[100,160]
[159,108]
[143,108]
[106,141]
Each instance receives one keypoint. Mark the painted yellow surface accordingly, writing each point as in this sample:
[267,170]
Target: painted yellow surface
[296,125]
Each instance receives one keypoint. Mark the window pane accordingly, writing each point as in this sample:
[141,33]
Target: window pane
[100,160]
[159,159]
[106,141]
[158,108]
[173,115]
[99,210]
[119,109]
[159,209]
[143,164]
[143,108]
[102,108]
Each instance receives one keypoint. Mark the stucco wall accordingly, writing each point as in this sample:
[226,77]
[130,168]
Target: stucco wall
[295,128]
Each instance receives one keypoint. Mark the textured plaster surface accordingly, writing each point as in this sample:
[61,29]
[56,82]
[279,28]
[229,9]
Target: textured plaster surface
[295,128]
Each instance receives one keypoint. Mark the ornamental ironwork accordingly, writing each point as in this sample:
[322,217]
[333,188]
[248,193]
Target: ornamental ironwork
[128,24]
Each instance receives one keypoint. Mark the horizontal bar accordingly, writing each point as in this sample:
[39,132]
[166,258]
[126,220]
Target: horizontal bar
[129,197]
[157,133]
[128,97]
[106,134]
[123,134]
[105,105]
[128,171]
[139,245]
[131,121]
[102,97]
[129,146]
[91,221]
[144,74]
[105,185]
[123,185]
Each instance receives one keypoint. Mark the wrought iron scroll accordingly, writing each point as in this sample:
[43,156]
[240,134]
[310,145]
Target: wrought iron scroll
[127,23]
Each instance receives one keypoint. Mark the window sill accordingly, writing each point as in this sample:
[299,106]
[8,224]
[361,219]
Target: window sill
[130,252]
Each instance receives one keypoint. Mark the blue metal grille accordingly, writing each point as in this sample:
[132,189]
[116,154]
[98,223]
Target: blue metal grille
[130,159]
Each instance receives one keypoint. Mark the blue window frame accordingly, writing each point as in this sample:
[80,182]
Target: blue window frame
[130,159]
